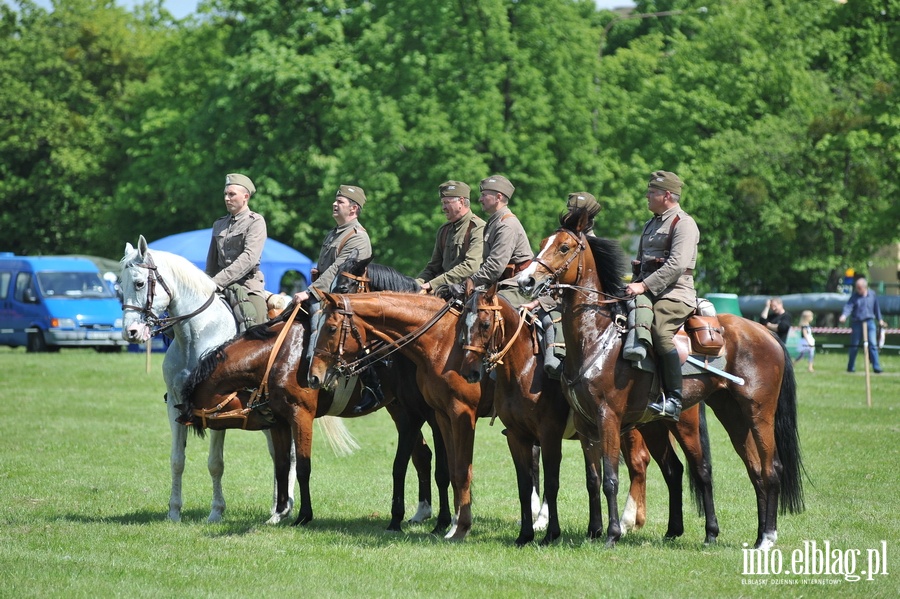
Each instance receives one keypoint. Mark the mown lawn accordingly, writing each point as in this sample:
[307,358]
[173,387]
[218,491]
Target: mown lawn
[84,485]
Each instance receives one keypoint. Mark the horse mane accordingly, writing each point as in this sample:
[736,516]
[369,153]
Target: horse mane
[183,271]
[381,277]
[608,254]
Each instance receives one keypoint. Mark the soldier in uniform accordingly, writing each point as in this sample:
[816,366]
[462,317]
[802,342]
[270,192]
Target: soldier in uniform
[507,250]
[546,307]
[667,257]
[337,248]
[458,248]
[237,243]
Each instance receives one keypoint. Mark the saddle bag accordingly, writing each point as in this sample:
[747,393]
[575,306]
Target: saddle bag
[706,334]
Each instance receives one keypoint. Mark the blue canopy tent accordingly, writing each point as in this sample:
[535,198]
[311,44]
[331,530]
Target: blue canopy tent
[277,258]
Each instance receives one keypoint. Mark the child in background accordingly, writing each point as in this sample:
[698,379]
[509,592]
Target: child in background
[807,345]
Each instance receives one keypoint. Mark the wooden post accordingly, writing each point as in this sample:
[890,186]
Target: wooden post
[865,326]
[150,348]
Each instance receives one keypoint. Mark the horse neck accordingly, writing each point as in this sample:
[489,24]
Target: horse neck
[209,327]
[398,314]
[583,314]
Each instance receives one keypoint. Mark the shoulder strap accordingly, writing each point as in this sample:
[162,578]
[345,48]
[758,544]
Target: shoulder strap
[671,229]
[346,238]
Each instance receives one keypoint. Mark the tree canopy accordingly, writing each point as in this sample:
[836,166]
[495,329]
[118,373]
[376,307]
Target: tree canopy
[122,123]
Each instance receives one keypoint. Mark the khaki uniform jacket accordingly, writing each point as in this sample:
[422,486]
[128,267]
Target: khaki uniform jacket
[346,238]
[505,242]
[449,264]
[235,251]
[670,280]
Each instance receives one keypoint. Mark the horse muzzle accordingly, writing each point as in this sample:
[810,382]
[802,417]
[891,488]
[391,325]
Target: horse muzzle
[136,332]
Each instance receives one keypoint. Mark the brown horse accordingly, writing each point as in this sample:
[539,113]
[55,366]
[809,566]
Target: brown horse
[760,415]
[534,410]
[290,408]
[348,321]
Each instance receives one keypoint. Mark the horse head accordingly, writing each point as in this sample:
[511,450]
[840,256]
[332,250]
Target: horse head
[145,294]
[336,335]
[481,333]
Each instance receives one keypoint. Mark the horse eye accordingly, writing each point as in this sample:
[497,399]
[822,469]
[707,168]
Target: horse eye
[138,284]
[332,328]
[564,248]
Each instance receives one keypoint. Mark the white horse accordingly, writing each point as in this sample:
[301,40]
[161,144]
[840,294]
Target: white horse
[153,282]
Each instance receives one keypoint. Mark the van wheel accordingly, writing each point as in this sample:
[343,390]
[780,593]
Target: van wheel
[108,349]
[36,343]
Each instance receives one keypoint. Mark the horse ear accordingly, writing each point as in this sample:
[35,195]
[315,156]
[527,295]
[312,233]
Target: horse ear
[142,245]
[470,286]
[129,249]
[329,298]
[490,292]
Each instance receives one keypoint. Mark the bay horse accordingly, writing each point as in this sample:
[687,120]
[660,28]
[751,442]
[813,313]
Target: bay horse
[153,282]
[534,410]
[290,407]
[759,416]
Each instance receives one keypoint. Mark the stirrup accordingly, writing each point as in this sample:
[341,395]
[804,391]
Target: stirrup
[666,407]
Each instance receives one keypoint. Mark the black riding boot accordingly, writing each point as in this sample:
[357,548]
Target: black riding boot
[669,405]
[372,396]
[552,363]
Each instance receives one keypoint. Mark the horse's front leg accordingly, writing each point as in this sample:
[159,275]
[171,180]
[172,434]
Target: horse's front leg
[610,430]
[408,436]
[284,460]
[552,458]
[176,459]
[592,459]
[520,450]
[441,479]
[462,443]
[301,429]
[215,463]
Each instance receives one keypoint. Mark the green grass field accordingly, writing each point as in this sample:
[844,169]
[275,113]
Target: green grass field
[84,486]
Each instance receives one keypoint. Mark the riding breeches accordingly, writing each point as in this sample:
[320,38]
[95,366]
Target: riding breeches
[668,316]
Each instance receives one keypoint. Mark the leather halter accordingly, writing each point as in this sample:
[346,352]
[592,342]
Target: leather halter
[492,357]
[362,281]
[150,318]
[579,254]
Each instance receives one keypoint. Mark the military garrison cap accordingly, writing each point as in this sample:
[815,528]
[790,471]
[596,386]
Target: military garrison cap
[582,199]
[242,180]
[666,181]
[455,189]
[498,183]
[352,192]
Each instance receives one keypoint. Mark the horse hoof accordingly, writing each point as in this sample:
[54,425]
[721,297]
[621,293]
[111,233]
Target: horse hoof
[710,540]
[522,541]
[549,539]
[394,527]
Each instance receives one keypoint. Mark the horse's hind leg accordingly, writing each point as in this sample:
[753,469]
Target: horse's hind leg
[216,465]
[539,509]
[521,451]
[422,458]
[634,449]
[408,436]
[656,435]
[692,435]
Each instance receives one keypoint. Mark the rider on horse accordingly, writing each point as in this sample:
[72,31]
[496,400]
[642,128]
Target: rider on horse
[664,271]
[460,241]
[348,239]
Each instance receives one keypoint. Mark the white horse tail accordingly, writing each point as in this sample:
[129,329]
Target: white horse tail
[339,438]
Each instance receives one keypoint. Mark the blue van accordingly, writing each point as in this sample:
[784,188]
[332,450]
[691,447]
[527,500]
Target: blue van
[52,302]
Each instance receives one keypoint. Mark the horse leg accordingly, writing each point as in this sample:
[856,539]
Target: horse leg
[591,451]
[539,508]
[301,430]
[422,460]
[281,448]
[441,479]
[176,462]
[738,429]
[634,516]
[552,452]
[215,463]
[691,433]
[609,440]
[407,437]
[656,436]
[522,456]
[463,441]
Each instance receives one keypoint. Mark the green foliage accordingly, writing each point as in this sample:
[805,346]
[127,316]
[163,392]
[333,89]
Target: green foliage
[125,123]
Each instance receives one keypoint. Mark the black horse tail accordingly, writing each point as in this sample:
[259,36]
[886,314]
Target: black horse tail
[787,441]
[695,482]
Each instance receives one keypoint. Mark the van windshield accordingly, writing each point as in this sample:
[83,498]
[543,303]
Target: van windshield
[73,285]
